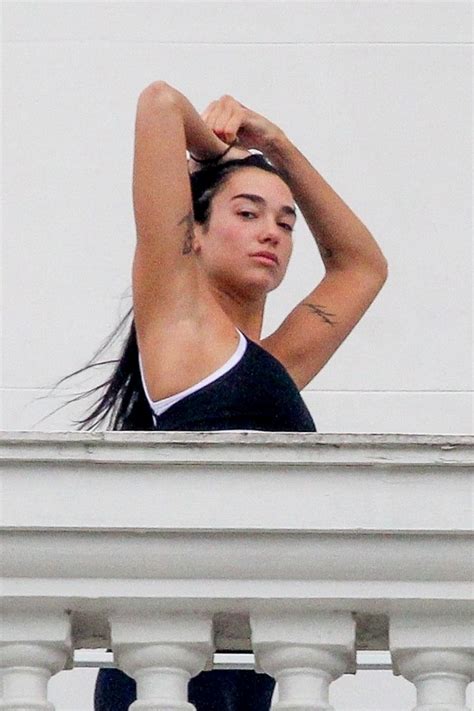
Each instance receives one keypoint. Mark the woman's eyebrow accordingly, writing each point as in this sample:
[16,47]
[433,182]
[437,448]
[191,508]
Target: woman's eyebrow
[260,200]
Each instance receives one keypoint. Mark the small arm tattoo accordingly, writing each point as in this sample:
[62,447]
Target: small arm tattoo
[188,220]
[319,310]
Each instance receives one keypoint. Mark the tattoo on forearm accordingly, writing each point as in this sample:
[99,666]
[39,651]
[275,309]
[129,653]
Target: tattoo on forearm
[188,220]
[319,310]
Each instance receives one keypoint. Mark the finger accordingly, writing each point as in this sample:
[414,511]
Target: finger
[216,108]
[215,119]
[207,110]
[224,120]
[231,128]
[210,117]
[229,114]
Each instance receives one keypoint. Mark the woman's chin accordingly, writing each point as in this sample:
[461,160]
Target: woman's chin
[261,285]
[254,285]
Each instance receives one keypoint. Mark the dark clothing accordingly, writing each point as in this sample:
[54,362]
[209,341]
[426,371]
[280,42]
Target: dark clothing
[217,690]
[255,394]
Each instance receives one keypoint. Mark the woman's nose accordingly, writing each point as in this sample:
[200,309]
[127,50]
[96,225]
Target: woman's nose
[271,234]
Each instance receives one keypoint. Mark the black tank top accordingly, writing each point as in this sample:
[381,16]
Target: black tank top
[257,393]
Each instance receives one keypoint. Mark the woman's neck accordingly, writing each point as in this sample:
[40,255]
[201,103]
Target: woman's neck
[245,314]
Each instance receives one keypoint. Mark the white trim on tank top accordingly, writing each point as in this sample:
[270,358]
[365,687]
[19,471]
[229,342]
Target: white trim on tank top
[160,406]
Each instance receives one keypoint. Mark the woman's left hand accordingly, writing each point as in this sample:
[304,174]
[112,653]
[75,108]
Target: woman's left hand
[230,120]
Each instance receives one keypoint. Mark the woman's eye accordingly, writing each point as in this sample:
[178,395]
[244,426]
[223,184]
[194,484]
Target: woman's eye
[285,226]
[245,212]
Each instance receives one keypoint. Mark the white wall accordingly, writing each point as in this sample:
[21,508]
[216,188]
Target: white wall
[377,95]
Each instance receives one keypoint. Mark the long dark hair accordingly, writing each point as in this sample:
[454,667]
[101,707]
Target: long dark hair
[122,403]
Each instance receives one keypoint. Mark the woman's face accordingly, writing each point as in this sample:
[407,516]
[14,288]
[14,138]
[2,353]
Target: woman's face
[240,227]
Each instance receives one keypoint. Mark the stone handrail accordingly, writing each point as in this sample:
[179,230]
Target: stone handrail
[302,548]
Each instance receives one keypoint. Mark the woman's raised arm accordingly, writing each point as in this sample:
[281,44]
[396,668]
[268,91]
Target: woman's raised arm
[164,270]
[356,268]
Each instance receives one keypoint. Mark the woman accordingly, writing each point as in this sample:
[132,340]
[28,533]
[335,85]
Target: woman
[210,247]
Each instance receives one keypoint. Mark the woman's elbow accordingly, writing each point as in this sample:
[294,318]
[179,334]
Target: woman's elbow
[158,90]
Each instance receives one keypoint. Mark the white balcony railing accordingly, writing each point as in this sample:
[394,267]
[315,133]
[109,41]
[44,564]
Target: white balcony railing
[301,548]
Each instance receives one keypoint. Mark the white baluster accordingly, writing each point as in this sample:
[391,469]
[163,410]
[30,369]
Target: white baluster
[32,648]
[305,652]
[435,653]
[162,652]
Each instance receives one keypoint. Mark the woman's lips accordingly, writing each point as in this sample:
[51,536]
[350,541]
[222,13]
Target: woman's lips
[266,260]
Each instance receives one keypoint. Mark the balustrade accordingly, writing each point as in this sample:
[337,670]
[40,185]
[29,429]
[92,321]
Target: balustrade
[168,547]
